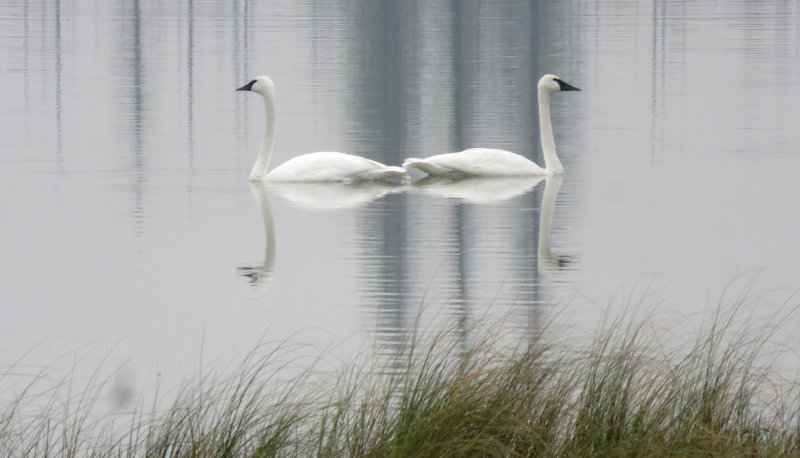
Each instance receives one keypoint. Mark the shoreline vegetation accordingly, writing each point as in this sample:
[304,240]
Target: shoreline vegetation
[629,390]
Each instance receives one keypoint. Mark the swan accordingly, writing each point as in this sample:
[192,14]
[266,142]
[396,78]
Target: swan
[496,162]
[323,166]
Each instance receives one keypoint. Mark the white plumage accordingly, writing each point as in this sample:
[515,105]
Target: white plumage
[323,166]
[495,162]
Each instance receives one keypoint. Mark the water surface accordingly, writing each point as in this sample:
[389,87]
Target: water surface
[130,233]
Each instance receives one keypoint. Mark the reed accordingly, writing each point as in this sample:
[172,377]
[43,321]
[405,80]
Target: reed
[627,391]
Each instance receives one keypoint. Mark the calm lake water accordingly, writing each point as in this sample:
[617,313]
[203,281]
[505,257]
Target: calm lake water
[132,238]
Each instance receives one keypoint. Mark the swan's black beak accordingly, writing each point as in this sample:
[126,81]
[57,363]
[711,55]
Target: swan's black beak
[247,87]
[566,86]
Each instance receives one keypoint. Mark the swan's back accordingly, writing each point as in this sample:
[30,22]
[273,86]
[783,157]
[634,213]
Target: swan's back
[331,166]
[476,162]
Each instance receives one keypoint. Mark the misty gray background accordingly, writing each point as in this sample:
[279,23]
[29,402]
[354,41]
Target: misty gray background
[130,234]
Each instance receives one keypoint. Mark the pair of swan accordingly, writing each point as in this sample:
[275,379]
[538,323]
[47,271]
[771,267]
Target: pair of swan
[330,166]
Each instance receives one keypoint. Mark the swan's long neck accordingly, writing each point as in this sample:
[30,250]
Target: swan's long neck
[259,170]
[551,162]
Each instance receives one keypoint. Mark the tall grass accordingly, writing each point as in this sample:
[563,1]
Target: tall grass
[630,390]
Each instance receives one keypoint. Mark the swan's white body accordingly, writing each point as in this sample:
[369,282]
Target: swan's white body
[325,166]
[496,162]
[476,162]
[332,167]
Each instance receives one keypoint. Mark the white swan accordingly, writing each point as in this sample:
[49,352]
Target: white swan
[496,162]
[325,166]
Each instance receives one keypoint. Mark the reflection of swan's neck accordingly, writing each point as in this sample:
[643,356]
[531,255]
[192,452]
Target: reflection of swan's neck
[261,276]
[551,162]
[269,228]
[259,170]
[547,263]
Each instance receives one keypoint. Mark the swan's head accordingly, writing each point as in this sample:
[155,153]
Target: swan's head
[553,84]
[260,84]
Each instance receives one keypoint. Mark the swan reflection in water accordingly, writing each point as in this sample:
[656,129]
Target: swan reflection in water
[472,272]
[318,196]
[484,190]
[479,190]
[547,262]
[333,196]
[350,195]
[261,275]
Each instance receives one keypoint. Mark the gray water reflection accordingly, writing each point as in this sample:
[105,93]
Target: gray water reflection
[396,293]
[435,77]
[461,277]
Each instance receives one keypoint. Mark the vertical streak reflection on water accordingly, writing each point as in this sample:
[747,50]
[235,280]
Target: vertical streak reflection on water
[493,103]
[190,87]
[58,71]
[140,177]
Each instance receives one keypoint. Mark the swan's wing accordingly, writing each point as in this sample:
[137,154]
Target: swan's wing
[331,166]
[476,162]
